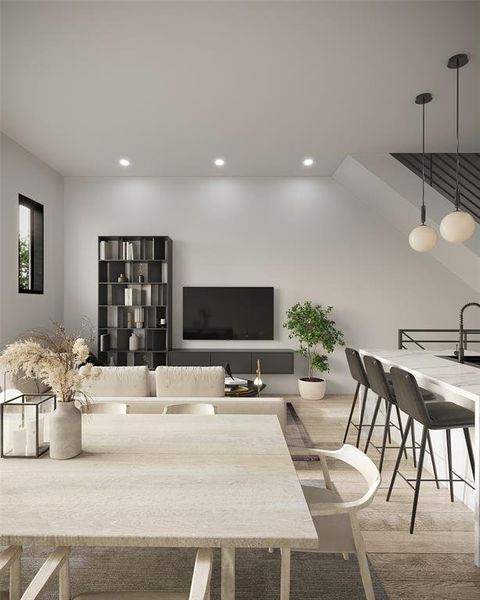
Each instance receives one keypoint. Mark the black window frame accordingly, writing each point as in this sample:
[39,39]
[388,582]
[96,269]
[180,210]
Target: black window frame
[38,279]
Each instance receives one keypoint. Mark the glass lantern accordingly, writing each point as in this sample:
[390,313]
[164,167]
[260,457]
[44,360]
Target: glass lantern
[25,425]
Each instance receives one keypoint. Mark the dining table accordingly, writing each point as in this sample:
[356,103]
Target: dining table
[222,481]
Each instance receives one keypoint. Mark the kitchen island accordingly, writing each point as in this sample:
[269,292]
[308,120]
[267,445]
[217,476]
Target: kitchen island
[451,381]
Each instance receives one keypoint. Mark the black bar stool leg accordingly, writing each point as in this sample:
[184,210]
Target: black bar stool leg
[399,457]
[362,414]
[419,477]
[387,422]
[469,450]
[414,446]
[400,427]
[449,457]
[351,412]
[432,457]
[372,424]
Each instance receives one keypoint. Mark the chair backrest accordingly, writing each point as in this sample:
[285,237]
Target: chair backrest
[377,379]
[362,464]
[408,395]
[355,365]
[105,408]
[190,408]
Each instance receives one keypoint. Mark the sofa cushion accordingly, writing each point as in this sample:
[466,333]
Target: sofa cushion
[198,382]
[118,381]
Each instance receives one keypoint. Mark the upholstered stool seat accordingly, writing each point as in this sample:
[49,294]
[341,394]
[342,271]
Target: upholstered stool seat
[449,414]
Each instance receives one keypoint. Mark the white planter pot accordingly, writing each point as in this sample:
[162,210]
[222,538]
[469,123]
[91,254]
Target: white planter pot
[65,431]
[312,390]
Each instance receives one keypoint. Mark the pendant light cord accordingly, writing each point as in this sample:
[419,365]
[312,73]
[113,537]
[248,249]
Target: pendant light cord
[457,180]
[423,214]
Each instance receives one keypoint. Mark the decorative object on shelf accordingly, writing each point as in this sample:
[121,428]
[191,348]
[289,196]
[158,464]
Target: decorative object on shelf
[312,326]
[457,226]
[139,317]
[128,252]
[128,292]
[24,422]
[54,359]
[423,238]
[257,382]
[122,278]
[105,342]
[141,277]
[111,362]
[163,322]
[130,321]
[104,253]
[134,342]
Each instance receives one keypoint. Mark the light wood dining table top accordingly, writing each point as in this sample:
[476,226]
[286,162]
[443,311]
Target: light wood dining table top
[161,480]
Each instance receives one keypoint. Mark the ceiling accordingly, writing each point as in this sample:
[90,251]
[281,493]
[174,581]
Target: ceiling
[172,85]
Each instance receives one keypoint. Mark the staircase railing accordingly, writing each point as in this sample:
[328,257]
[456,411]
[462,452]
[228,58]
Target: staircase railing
[419,337]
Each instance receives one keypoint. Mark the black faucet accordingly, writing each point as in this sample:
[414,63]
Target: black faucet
[461,346]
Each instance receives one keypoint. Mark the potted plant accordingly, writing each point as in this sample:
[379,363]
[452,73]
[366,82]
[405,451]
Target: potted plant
[312,326]
[54,358]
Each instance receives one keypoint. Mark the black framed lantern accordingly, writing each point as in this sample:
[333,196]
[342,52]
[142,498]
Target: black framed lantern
[25,425]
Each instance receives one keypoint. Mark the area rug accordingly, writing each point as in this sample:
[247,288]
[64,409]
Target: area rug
[314,576]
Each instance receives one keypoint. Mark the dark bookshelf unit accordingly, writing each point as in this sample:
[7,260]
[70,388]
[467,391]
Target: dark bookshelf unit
[145,310]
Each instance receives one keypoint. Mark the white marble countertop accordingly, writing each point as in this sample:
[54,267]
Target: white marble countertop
[161,480]
[433,371]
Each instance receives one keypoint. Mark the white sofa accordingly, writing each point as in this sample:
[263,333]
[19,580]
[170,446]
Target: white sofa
[148,392]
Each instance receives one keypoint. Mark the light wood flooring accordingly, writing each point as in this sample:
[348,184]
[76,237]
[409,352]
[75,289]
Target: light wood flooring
[436,562]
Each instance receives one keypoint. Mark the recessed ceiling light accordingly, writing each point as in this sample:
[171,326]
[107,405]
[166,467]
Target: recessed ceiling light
[308,162]
[124,162]
[219,162]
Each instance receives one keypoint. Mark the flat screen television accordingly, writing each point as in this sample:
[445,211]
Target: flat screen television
[228,313]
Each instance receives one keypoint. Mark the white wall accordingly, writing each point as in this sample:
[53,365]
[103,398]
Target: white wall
[23,173]
[307,237]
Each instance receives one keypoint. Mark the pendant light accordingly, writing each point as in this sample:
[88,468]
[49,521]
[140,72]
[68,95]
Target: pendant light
[423,238]
[457,226]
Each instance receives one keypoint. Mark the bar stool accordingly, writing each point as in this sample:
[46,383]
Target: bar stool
[381,386]
[357,371]
[435,415]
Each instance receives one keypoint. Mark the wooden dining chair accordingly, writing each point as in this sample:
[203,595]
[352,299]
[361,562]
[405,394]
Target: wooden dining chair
[10,561]
[190,408]
[105,408]
[58,563]
[335,520]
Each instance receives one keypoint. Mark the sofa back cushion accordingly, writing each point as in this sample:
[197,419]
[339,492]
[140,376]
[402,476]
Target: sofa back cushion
[197,382]
[118,382]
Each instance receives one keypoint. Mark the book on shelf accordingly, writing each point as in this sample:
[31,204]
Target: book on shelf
[128,252]
[128,296]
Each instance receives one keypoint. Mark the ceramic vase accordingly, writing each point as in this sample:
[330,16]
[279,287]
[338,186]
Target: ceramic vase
[65,431]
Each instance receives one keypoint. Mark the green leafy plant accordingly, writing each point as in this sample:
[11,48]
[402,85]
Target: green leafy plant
[312,326]
[23,263]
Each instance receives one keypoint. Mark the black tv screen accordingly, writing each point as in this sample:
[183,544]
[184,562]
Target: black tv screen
[228,313]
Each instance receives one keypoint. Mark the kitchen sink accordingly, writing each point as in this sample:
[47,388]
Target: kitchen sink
[472,361]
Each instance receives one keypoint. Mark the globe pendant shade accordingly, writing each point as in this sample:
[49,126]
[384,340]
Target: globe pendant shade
[423,238]
[457,226]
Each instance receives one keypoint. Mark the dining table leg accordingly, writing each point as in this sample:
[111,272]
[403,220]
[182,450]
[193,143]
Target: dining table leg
[285,574]
[228,574]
